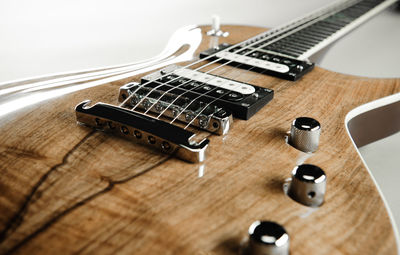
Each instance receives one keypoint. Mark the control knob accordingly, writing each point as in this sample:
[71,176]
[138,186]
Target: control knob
[304,134]
[267,238]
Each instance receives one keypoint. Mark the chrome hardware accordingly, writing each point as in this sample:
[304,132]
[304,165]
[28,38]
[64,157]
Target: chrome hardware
[172,111]
[181,89]
[216,29]
[205,78]
[267,238]
[304,134]
[308,185]
[142,129]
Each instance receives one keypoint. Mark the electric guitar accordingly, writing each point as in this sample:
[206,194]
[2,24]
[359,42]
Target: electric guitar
[196,157]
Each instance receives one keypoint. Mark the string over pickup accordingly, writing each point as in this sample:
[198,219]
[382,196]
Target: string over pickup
[179,91]
[198,113]
[261,60]
[143,129]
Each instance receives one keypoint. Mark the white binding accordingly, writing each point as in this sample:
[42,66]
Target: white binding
[346,29]
[355,112]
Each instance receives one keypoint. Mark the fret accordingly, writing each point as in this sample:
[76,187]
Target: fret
[296,46]
[279,48]
[290,49]
[281,44]
[303,43]
[298,37]
[268,54]
[310,34]
[319,31]
[325,29]
[302,38]
[337,21]
[347,19]
[290,53]
[330,25]
[283,53]
[310,38]
[352,14]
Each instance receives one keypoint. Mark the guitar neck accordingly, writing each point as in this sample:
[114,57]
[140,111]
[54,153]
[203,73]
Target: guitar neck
[305,36]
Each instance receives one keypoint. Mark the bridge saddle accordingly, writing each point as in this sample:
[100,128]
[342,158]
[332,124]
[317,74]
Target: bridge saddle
[195,98]
[143,129]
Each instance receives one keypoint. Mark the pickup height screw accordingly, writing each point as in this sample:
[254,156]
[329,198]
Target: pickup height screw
[189,116]
[203,121]
[175,111]
[151,139]
[98,122]
[110,125]
[159,107]
[146,104]
[137,134]
[124,130]
[166,146]
[134,100]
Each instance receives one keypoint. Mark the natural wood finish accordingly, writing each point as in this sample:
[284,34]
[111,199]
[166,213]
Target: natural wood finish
[67,189]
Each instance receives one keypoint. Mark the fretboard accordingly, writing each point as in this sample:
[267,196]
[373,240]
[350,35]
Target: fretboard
[302,38]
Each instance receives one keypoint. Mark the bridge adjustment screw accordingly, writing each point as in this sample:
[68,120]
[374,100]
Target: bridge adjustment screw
[308,185]
[304,134]
[267,238]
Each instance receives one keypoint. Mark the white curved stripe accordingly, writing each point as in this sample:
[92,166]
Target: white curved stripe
[355,112]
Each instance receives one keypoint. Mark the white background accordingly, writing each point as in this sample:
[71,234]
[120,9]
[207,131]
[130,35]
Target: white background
[43,36]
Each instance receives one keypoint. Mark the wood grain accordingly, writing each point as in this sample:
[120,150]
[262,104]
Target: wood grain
[68,189]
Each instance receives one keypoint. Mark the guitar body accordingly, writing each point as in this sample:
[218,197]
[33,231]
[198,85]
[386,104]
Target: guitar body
[65,188]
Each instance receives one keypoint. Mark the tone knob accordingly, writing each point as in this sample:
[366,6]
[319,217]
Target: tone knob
[304,134]
[267,238]
[308,185]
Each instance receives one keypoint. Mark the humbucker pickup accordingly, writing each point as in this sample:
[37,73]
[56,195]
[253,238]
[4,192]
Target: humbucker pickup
[260,60]
[208,117]
[193,97]
[143,129]
[196,88]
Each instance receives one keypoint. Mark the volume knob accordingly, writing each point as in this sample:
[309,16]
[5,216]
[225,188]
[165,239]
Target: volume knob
[304,134]
[308,185]
[268,238]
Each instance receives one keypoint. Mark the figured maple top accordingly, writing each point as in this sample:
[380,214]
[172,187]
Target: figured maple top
[68,189]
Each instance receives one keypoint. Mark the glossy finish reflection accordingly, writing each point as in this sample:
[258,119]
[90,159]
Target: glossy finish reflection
[16,95]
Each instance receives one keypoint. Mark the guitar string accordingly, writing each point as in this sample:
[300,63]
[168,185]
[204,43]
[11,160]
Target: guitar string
[283,34]
[209,71]
[205,107]
[193,100]
[171,103]
[217,88]
[200,84]
[282,29]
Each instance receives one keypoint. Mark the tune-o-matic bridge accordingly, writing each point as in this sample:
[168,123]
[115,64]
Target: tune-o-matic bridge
[260,60]
[142,129]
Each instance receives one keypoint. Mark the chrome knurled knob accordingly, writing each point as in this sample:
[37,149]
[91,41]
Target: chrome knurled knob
[308,185]
[267,238]
[304,134]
